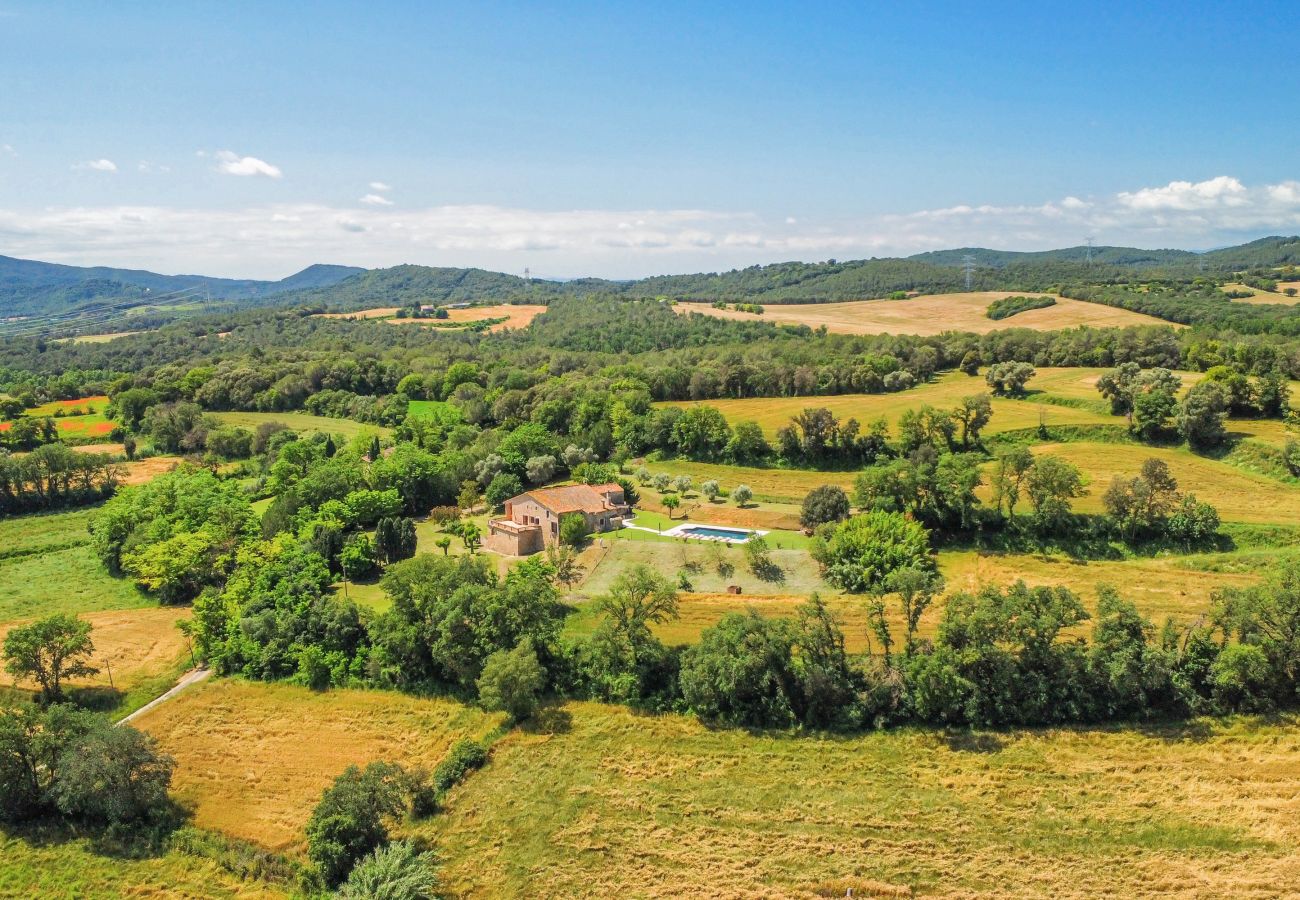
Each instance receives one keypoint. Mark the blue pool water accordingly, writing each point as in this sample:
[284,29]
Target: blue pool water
[710,531]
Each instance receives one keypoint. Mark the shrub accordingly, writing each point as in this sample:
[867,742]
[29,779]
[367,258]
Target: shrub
[742,494]
[1010,306]
[465,756]
[395,872]
[573,529]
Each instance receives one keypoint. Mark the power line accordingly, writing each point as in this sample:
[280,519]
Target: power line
[968,265]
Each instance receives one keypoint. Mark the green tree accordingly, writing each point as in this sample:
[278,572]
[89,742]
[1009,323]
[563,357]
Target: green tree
[860,554]
[1202,415]
[503,486]
[670,502]
[916,589]
[741,672]
[1009,474]
[351,819]
[443,543]
[395,539]
[742,494]
[1008,378]
[1052,483]
[710,490]
[358,556]
[49,651]
[563,560]
[512,682]
[827,503]
[112,776]
[971,416]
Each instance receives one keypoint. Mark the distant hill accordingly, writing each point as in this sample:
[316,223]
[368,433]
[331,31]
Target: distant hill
[50,296]
[1109,256]
[41,290]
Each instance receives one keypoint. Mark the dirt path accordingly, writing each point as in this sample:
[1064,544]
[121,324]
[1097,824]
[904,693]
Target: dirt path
[193,676]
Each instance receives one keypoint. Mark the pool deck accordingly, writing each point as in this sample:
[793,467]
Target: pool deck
[682,531]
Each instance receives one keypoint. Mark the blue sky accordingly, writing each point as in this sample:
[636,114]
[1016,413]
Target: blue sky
[628,139]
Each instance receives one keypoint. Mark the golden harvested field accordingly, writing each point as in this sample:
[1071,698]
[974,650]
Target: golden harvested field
[142,471]
[101,338]
[1239,496]
[945,392]
[517,315]
[137,644]
[1161,587]
[254,758]
[1266,297]
[933,314]
[622,804]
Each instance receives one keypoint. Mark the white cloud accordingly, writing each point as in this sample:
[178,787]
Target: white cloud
[230,163]
[147,167]
[375,200]
[380,186]
[97,165]
[8,150]
[1184,195]
[271,241]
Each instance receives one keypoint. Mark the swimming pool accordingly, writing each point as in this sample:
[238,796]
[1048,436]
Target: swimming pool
[714,533]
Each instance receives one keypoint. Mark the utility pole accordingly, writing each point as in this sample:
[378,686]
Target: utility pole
[968,265]
[1089,251]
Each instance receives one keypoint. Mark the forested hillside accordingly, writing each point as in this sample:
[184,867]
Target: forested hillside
[67,299]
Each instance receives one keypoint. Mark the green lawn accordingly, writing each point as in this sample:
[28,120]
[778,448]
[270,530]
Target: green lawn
[48,567]
[301,421]
[441,410]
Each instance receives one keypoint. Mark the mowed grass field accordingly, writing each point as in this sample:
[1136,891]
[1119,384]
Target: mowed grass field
[945,392]
[933,314]
[54,865]
[253,758]
[301,421]
[1239,496]
[1266,297]
[47,566]
[609,802]
[623,804]
[1164,587]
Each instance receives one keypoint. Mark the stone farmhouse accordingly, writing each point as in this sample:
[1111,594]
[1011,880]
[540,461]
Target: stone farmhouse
[532,520]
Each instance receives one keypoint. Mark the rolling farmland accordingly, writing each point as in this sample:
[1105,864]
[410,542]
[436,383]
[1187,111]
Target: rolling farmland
[932,314]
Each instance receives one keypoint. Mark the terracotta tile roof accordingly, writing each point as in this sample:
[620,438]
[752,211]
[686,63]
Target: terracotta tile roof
[571,498]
